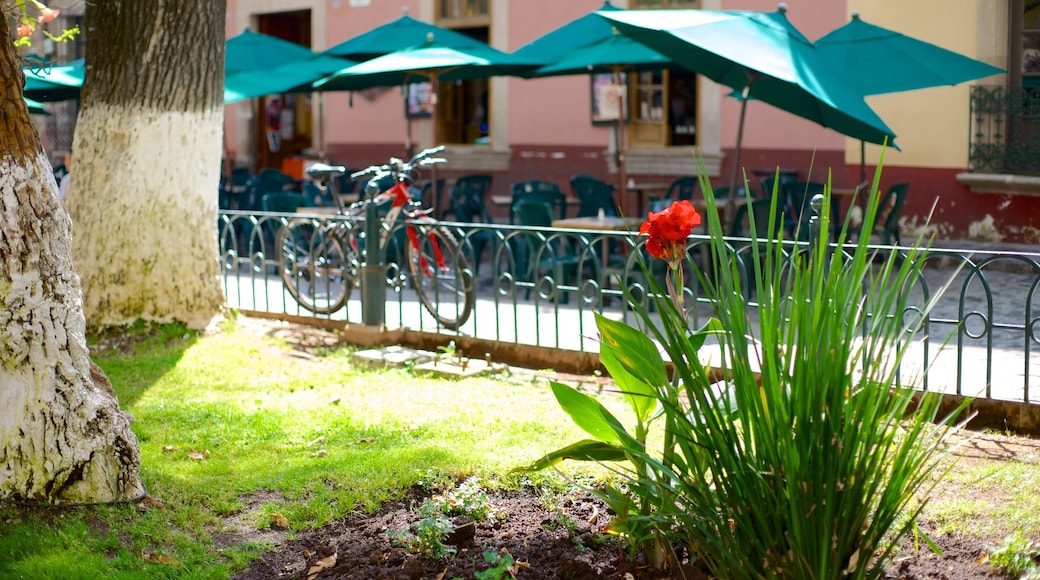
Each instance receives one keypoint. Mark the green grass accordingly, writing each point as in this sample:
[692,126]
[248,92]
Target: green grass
[314,439]
[309,439]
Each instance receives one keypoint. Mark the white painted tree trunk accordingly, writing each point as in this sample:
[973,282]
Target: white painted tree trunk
[145,214]
[63,438]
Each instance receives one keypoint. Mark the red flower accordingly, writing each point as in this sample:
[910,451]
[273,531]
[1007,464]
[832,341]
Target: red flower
[47,15]
[668,230]
[25,30]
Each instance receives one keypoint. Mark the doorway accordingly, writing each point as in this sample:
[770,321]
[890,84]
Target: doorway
[284,124]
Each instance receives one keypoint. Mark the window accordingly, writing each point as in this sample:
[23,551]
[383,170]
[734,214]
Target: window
[664,108]
[459,13]
[667,3]
[463,114]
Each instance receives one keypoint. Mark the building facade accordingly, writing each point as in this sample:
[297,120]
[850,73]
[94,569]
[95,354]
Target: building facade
[957,154]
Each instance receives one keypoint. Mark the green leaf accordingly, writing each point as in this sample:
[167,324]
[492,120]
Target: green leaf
[633,350]
[584,450]
[641,396]
[589,414]
[712,326]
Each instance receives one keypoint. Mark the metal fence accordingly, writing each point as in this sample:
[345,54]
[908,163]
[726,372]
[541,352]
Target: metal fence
[1005,129]
[542,286]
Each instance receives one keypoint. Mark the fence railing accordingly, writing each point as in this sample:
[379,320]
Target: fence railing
[542,286]
[1005,129]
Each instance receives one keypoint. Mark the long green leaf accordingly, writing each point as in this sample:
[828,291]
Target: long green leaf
[589,414]
[584,450]
[633,350]
[641,396]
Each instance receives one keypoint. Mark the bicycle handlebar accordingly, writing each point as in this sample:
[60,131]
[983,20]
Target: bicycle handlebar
[398,167]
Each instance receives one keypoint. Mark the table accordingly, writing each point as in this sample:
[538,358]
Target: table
[643,191]
[508,200]
[604,223]
[608,223]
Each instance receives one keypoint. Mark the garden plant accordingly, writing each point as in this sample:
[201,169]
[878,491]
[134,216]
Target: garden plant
[810,458]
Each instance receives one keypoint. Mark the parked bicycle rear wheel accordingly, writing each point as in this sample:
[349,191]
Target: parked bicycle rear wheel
[447,291]
[318,265]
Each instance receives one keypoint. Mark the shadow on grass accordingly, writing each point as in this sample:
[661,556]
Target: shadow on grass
[139,355]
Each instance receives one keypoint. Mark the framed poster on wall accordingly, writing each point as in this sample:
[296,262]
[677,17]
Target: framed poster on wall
[418,102]
[608,101]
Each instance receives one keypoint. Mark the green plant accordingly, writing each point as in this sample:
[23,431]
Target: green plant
[426,537]
[468,499]
[501,565]
[801,455]
[1018,556]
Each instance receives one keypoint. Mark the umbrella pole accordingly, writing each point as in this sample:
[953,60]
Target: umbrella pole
[619,145]
[862,161]
[321,127]
[409,145]
[731,202]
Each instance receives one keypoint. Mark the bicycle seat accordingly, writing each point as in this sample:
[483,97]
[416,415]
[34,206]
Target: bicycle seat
[324,171]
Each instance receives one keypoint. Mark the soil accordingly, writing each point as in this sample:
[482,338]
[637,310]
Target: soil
[567,541]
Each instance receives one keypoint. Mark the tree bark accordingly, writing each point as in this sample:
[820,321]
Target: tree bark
[63,438]
[147,153]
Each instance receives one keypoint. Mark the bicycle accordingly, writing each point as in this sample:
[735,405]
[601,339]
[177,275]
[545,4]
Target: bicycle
[320,265]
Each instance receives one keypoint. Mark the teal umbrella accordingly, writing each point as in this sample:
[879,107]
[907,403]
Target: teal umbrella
[430,62]
[586,30]
[397,35]
[252,51]
[762,55]
[294,77]
[35,107]
[876,60]
[591,45]
[47,82]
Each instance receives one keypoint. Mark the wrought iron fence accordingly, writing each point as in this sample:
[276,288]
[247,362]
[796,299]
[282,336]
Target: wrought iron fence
[542,287]
[1005,129]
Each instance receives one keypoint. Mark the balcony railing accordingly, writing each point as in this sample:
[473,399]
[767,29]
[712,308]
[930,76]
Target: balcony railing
[1005,129]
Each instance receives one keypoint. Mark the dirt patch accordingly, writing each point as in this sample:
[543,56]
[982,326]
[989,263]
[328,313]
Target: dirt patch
[568,541]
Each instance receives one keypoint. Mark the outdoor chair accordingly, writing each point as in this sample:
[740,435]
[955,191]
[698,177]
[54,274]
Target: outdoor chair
[683,188]
[546,255]
[278,203]
[470,190]
[467,206]
[593,196]
[315,196]
[430,195]
[768,182]
[541,191]
[890,208]
[795,200]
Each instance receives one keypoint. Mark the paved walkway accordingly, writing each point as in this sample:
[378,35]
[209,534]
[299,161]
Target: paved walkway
[998,349]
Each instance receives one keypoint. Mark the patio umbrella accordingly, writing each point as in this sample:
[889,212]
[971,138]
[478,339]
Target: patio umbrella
[47,82]
[762,55]
[293,77]
[397,35]
[431,61]
[877,60]
[591,45]
[253,51]
[35,107]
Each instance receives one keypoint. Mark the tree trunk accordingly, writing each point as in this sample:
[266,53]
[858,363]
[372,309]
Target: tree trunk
[146,162]
[63,438]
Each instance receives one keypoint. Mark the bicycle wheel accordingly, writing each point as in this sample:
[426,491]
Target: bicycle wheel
[318,265]
[441,276]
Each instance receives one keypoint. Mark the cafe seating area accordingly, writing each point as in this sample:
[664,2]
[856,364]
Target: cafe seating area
[564,225]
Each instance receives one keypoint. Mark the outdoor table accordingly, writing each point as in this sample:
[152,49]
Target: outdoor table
[602,223]
[645,190]
[508,200]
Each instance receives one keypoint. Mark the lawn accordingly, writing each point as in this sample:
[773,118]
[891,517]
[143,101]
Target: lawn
[254,433]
